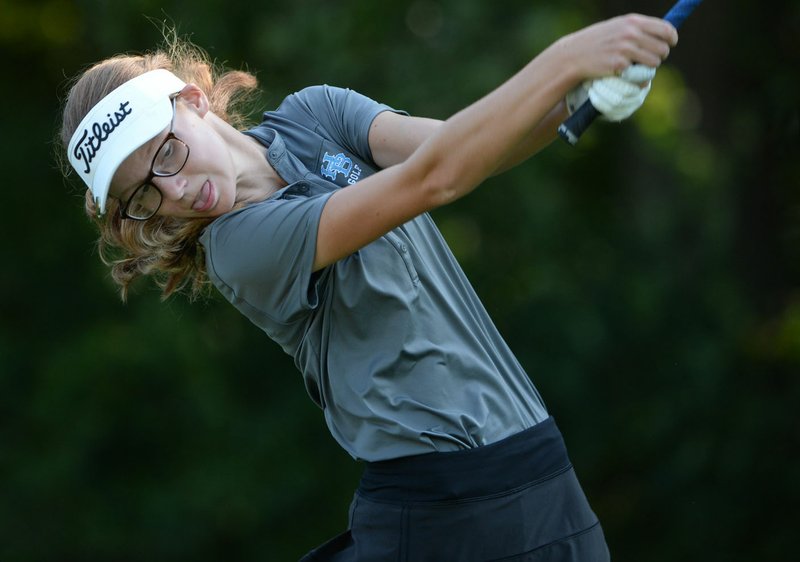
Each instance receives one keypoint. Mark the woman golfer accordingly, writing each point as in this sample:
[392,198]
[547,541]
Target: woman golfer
[314,224]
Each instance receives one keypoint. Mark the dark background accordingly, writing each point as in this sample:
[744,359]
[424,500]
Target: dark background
[648,280]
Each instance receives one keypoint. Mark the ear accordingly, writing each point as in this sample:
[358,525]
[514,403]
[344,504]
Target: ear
[195,99]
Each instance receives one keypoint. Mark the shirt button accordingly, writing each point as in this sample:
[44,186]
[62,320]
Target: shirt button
[302,188]
[403,248]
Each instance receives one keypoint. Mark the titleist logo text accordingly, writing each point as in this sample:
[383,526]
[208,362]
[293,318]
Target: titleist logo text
[88,145]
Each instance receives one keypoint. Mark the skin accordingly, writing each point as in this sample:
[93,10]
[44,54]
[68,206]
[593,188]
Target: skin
[421,171]
[489,133]
[224,168]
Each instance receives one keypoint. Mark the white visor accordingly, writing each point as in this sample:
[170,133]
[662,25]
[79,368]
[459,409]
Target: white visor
[120,123]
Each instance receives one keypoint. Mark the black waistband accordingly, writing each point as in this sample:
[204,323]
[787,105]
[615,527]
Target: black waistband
[524,458]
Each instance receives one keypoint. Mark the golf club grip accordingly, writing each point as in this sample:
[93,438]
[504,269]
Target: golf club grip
[576,124]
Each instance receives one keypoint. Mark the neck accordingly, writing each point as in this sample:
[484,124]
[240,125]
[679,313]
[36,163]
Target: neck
[256,179]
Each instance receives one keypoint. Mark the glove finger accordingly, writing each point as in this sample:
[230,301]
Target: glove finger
[638,73]
[614,91]
[615,98]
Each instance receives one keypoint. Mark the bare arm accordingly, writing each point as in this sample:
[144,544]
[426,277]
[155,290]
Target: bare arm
[394,137]
[539,137]
[477,141]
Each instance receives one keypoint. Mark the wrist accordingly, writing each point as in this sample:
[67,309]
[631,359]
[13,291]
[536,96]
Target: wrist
[563,55]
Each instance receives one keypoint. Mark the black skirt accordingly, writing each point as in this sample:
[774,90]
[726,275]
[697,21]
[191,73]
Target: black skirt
[514,500]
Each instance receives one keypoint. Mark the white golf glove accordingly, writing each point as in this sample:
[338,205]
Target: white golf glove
[615,97]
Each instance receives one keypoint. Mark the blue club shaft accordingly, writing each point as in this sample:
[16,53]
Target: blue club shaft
[577,123]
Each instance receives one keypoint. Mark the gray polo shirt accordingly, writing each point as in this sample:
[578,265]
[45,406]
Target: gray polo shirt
[392,342]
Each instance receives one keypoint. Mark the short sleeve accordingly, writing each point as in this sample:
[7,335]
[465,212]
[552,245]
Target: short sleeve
[261,259]
[341,115]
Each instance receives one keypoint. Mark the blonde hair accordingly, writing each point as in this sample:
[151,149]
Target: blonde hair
[165,248]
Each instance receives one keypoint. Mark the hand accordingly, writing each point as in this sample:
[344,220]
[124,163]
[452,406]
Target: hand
[609,47]
[615,97]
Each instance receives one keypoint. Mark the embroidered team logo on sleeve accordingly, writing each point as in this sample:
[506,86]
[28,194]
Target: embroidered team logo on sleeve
[335,164]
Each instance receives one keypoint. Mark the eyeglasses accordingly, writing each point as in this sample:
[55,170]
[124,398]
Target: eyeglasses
[170,159]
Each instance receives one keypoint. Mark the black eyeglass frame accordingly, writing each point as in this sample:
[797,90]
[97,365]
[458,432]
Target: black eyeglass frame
[153,174]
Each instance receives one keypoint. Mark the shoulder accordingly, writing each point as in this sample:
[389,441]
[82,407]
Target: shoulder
[325,99]
[310,106]
[241,223]
[314,97]
[264,235]
[260,258]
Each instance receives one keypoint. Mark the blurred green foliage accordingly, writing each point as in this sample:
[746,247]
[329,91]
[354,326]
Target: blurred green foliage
[648,279]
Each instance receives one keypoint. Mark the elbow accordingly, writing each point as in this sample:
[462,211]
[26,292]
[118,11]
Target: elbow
[439,185]
[441,175]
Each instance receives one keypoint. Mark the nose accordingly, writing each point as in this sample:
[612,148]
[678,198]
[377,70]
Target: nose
[171,187]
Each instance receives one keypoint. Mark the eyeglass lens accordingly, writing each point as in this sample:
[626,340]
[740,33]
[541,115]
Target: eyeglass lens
[169,161]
